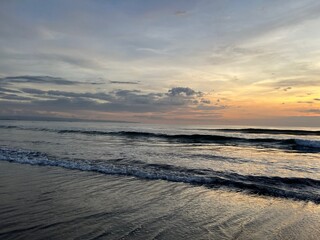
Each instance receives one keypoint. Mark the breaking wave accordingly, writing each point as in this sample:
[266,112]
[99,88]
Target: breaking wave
[305,189]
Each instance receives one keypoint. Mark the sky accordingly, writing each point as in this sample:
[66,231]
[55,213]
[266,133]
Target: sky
[248,62]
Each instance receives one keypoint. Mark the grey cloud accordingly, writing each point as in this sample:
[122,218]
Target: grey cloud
[37,79]
[33,91]
[14,97]
[317,99]
[71,59]
[123,82]
[312,110]
[209,108]
[77,104]
[155,99]
[57,93]
[74,59]
[305,102]
[121,92]
[7,90]
[206,101]
[115,101]
[178,91]
[288,84]
[98,96]
[14,81]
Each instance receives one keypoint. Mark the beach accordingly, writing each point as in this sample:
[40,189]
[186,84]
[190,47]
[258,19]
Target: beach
[39,202]
[151,119]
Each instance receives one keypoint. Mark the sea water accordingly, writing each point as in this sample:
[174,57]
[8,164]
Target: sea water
[168,181]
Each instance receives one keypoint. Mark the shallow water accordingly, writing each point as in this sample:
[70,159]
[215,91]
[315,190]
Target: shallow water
[39,202]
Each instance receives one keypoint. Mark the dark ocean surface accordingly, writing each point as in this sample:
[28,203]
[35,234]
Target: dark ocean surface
[86,180]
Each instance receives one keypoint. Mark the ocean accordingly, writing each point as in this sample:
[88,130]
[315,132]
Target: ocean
[97,180]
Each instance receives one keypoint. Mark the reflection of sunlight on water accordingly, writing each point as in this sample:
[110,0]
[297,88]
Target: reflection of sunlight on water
[237,214]
[249,160]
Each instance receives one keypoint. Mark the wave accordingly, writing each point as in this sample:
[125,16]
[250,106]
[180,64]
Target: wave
[305,189]
[270,131]
[9,127]
[308,143]
[289,143]
[235,130]
[294,144]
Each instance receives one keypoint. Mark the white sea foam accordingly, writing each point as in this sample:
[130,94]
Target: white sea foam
[296,188]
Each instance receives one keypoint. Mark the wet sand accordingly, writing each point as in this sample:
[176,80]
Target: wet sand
[39,202]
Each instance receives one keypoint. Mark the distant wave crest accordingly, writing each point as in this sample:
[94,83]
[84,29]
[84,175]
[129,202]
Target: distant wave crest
[298,144]
[308,143]
[287,143]
[270,131]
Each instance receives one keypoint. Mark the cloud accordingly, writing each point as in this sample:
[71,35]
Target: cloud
[119,100]
[37,79]
[7,90]
[317,99]
[210,108]
[288,84]
[312,110]
[14,97]
[180,91]
[78,60]
[175,96]
[153,51]
[232,54]
[58,93]
[33,91]
[205,101]
[287,88]
[75,104]
[123,82]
